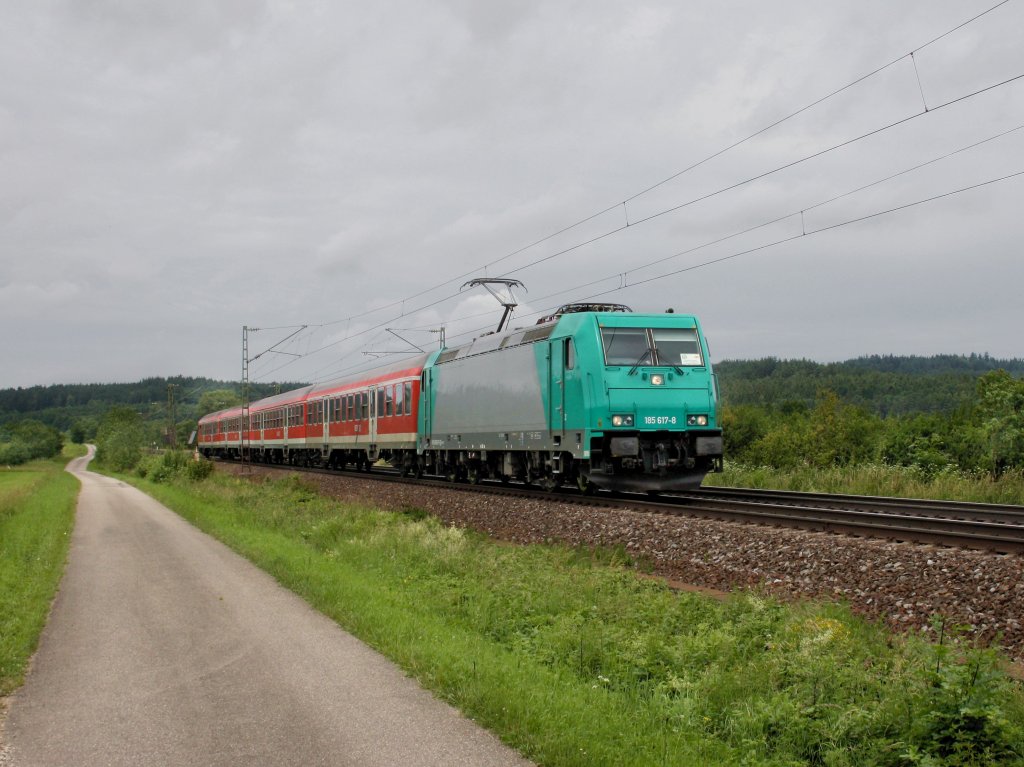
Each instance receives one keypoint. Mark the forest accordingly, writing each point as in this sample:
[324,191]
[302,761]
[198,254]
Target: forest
[933,414]
[78,409]
[883,385]
[944,413]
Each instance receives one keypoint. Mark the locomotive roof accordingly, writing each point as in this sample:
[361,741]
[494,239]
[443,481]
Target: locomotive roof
[491,341]
[546,326]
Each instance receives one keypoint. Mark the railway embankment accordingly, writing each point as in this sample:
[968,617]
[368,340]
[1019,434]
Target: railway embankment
[575,662]
[910,587]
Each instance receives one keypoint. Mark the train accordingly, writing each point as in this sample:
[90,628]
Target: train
[592,396]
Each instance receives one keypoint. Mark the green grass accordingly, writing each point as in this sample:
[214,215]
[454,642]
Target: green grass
[37,502]
[876,479]
[570,657]
[74,450]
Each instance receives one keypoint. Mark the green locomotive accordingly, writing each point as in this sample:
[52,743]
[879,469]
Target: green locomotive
[593,395]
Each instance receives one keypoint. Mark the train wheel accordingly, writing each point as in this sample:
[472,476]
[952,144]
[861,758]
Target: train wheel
[474,475]
[584,484]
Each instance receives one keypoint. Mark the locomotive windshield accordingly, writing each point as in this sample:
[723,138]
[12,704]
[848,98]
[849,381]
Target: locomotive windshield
[677,346]
[624,346]
[654,346]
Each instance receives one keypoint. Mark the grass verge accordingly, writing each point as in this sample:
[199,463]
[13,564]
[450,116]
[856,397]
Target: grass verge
[572,659]
[37,507]
[876,479]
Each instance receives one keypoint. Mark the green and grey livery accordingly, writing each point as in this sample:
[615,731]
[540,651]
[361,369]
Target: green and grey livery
[607,399]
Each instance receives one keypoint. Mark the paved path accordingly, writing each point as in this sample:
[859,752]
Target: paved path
[165,648]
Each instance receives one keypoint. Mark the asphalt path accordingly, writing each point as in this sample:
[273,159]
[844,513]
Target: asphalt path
[166,648]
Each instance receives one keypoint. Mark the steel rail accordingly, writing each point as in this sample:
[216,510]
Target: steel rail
[944,523]
[987,512]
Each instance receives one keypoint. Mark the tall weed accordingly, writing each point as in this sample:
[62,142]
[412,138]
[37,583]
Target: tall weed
[878,479]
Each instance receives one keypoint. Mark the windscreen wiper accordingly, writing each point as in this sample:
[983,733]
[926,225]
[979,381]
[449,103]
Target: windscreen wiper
[637,364]
[675,367]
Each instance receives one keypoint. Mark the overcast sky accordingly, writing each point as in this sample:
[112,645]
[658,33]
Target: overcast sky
[172,171]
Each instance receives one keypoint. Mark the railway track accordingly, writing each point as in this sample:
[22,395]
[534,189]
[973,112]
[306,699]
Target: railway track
[990,527]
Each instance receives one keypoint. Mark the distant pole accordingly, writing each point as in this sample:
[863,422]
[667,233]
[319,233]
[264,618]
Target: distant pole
[172,420]
[245,394]
[245,443]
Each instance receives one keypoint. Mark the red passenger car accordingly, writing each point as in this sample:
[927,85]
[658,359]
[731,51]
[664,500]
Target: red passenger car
[350,421]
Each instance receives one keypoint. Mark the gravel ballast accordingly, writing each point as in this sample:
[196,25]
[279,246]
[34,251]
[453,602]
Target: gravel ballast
[903,584]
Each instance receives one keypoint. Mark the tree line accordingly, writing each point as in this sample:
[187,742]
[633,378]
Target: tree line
[940,413]
[982,433]
[883,385]
[78,409]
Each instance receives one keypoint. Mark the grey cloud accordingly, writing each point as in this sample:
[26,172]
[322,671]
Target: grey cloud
[174,171]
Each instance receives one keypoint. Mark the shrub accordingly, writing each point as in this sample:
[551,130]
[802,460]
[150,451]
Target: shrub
[14,453]
[27,440]
[171,465]
[119,439]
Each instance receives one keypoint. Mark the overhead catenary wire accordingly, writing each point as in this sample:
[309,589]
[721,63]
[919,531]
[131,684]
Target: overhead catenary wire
[350,336]
[655,215]
[756,249]
[791,214]
[765,246]
[742,141]
[813,232]
[766,174]
[677,174]
[710,195]
[815,103]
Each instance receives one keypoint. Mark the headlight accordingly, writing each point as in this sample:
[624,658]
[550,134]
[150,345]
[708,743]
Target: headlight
[657,379]
[696,420]
[622,420]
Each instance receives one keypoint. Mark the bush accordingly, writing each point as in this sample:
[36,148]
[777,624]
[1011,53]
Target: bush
[27,440]
[173,464]
[119,439]
[198,470]
[83,430]
[986,435]
[14,454]
[960,719]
